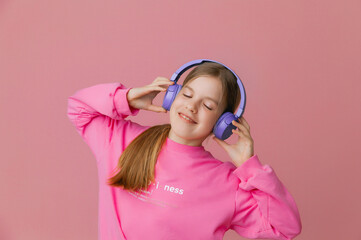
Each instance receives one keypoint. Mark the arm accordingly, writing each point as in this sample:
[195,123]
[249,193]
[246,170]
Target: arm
[264,208]
[99,111]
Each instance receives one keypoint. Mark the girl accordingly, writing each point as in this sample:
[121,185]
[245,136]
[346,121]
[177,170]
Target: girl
[158,182]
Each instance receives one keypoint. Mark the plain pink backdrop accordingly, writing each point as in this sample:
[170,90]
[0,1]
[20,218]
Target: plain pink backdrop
[299,62]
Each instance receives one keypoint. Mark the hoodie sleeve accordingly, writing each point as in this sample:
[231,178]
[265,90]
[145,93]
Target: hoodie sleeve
[99,111]
[264,208]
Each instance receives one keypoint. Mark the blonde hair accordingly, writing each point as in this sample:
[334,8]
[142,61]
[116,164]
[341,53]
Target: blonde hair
[136,165]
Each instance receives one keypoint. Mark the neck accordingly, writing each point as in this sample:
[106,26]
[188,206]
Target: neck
[190,142]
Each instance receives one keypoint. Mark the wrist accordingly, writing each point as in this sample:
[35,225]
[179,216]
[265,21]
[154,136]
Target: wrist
[130,98]
[239,162]
[128,95]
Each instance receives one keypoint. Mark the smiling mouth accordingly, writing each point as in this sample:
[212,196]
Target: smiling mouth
[186,120]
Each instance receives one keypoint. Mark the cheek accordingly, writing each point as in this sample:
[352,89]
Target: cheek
[212,119]
[208,119]
[175,105]
[174,108]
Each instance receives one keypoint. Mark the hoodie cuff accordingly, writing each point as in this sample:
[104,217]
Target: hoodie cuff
[121,103]
[249,168]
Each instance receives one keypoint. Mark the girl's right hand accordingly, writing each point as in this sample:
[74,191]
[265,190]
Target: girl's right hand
[142,97]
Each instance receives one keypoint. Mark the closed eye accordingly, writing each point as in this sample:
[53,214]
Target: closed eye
[204,104]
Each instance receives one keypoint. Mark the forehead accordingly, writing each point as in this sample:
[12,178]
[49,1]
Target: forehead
[206,86]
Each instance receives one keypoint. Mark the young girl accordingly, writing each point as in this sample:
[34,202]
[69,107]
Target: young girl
[160,183]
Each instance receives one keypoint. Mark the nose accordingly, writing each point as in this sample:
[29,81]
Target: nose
[191,107]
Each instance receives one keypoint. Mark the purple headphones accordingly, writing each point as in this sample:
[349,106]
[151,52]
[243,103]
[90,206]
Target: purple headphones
[223,128]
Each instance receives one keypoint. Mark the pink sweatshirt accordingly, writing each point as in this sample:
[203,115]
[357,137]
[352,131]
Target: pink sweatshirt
[195,196]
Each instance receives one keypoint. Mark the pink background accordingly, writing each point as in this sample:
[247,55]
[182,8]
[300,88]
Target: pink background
[299,62]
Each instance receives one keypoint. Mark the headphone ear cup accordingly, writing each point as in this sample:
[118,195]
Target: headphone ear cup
[223,128]
[170,95]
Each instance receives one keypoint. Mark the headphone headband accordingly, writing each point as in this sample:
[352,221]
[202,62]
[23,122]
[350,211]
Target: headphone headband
[175,77]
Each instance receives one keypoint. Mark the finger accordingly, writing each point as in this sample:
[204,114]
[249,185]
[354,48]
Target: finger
[159,78]
[151,89]
[164,83]
[223,144]
[239,125]
[155,108]
[245,122]
[238,132]
[162,79]
[162,89]
[243,136]
[241,128]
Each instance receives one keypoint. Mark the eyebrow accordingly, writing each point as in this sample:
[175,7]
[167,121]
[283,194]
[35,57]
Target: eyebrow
[206,97]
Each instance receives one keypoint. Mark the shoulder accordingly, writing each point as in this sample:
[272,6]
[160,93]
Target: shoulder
[225,170]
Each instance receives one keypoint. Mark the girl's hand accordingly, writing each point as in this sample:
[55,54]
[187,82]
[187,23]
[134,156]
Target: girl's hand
[242,150]
[142,97]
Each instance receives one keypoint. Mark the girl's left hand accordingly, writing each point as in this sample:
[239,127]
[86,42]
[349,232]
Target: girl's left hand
[242,150]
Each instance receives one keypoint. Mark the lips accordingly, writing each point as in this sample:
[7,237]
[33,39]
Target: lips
[187,117]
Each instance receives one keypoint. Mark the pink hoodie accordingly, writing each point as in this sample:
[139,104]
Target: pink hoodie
[195,196]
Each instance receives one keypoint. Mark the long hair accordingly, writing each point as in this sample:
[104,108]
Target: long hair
[136,165]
